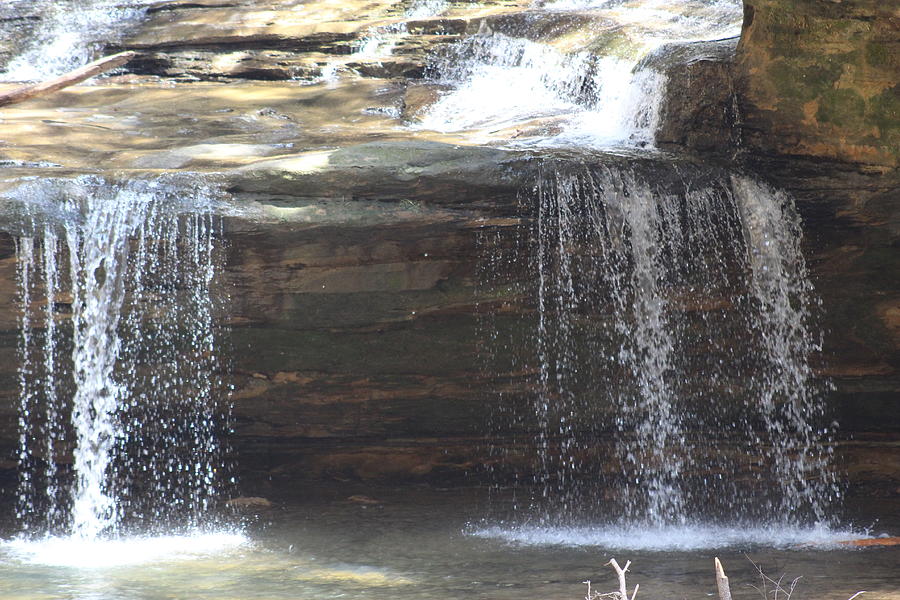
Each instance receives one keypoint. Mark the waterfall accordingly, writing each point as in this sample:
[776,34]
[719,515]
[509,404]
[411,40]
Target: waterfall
[120,373]
[71,34]
[781,295]
[671,348]
[526,72]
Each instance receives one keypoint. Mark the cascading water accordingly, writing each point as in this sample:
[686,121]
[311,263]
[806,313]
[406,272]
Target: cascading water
[515,72]
[381,41]
[674,319]
[781,296]
[70,34]
[120,375]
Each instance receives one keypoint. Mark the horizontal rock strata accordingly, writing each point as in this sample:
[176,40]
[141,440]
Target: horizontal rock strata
[356,247]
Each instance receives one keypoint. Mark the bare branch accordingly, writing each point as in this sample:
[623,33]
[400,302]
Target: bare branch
[71,78]
[620,571]
[777,589]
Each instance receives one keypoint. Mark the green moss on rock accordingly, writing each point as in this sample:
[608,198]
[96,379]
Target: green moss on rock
[878,54]
[884,112]
[812,78]
[801,83]
[844,108]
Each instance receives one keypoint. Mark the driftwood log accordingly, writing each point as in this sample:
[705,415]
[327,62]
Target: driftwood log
[71,78]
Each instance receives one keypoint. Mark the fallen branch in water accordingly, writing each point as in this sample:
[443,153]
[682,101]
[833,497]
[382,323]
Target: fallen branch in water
[771,589]
[620,571]
[71,78]
[622,594]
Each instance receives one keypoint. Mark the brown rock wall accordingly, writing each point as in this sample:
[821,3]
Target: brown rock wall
[821,79]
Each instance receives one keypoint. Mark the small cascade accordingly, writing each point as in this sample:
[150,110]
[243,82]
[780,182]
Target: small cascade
[120,375]
[510,79]
[513,80]
[584,81]
[71,34]
[381,41]
[671,350]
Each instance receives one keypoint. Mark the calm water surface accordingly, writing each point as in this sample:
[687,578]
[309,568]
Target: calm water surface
[419,543]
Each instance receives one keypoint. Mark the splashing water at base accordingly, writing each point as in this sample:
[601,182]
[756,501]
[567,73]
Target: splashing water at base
[417,546]
[680,538]
[79,553]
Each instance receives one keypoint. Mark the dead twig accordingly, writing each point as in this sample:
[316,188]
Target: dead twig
[620,571]
[778,591]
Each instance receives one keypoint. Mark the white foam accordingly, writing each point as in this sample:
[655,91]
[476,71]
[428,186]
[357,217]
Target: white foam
[81,553]
[499,80]
[627,110]
[503,80]
[675,537]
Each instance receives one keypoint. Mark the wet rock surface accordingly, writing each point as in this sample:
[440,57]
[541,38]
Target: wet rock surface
[700,110]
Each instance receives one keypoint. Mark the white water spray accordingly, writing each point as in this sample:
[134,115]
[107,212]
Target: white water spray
[135,399]
[505,79]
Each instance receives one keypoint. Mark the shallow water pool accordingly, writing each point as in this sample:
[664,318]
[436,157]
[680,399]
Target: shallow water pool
[423,543]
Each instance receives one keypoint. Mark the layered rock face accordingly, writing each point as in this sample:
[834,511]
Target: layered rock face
[356,250]
[354,313]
